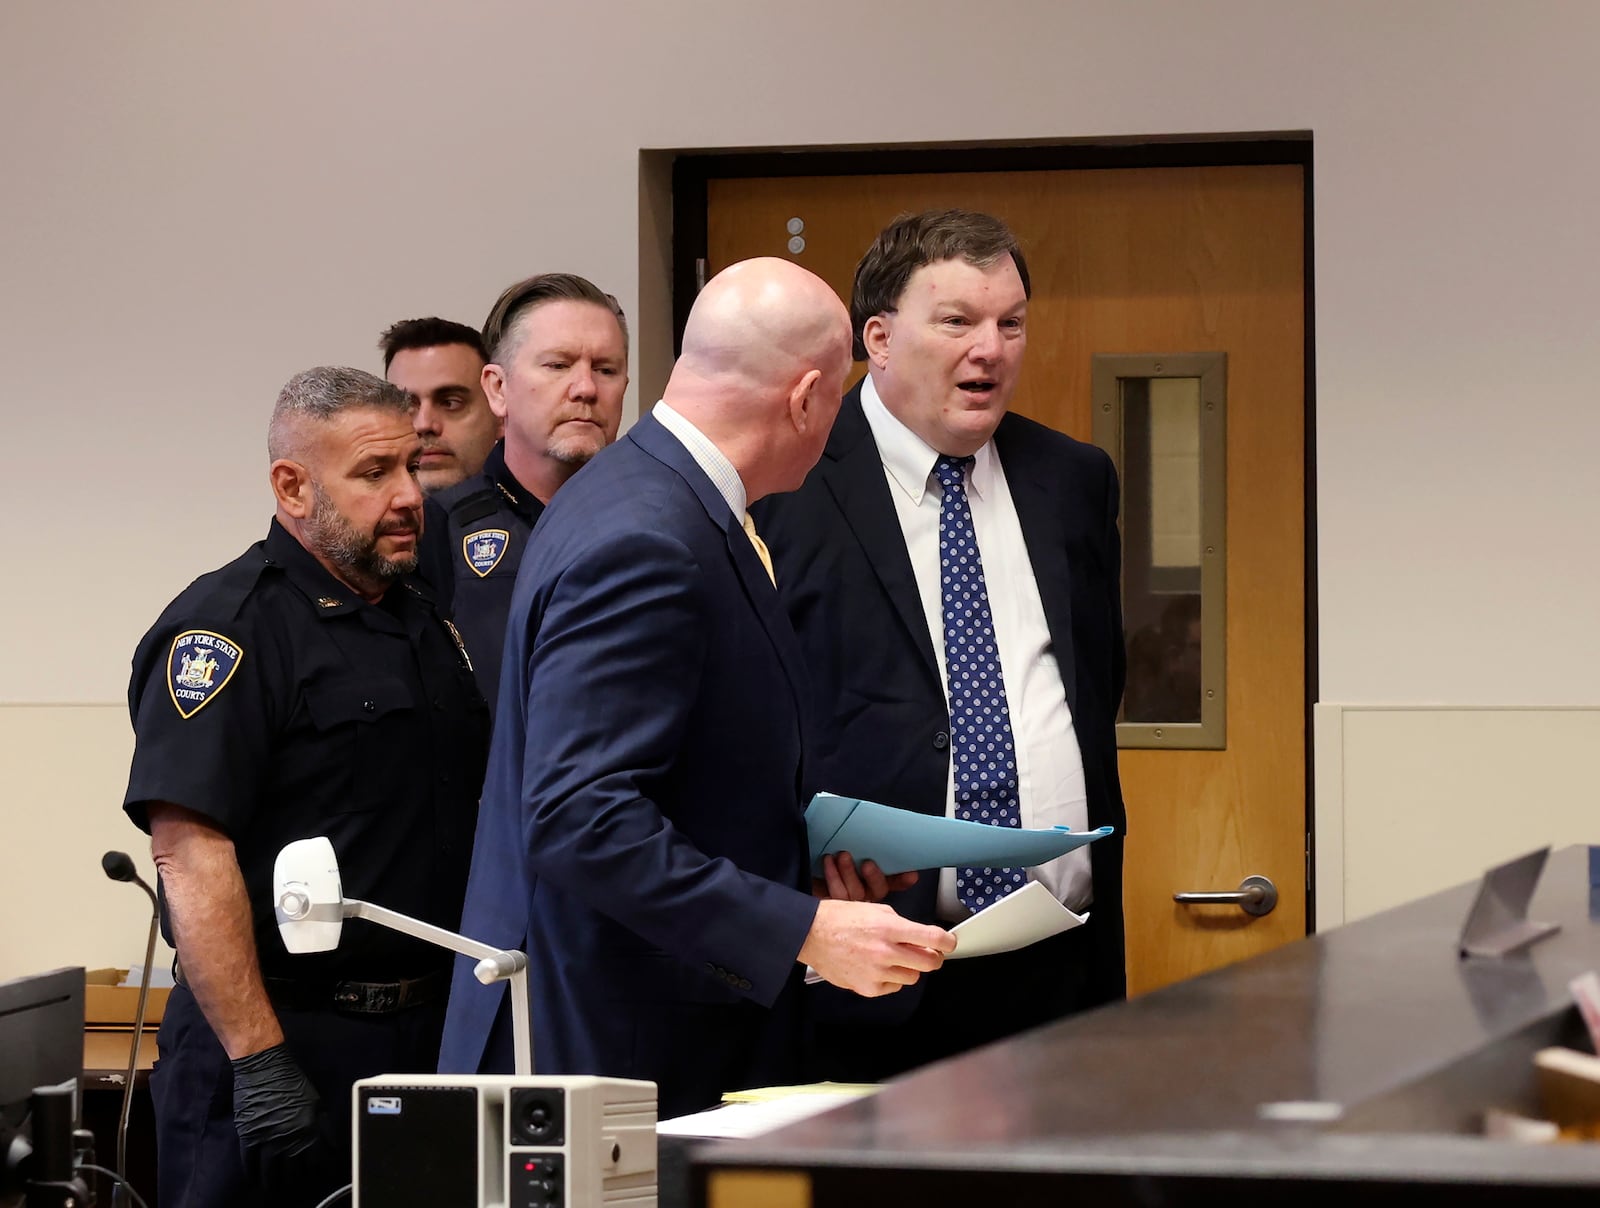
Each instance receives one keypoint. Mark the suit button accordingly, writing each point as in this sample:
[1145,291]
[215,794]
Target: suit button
[744,983]
[369,706]
[941,740]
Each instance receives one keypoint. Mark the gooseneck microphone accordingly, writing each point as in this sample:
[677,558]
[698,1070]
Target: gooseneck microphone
[118,865]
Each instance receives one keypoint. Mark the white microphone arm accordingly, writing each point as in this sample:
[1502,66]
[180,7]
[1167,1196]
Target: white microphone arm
[311,909]
[494,964]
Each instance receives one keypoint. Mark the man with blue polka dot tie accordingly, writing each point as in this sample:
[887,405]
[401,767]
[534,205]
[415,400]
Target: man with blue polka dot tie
[953,572]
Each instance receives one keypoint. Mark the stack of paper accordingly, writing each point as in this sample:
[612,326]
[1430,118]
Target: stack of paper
[756,1112]
[1023,917]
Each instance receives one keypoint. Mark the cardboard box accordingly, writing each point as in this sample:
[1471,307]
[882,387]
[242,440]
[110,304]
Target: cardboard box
[109,1002]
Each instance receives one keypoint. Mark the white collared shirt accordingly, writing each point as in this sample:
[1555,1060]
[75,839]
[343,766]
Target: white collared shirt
[1049,764]
[706,455]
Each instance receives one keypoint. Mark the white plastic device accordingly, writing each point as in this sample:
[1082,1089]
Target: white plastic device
[310,907]
[503,1141]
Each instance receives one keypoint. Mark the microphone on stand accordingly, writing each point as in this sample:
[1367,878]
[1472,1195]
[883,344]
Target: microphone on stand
[118,865]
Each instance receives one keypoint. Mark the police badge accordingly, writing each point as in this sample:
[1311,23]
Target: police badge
[461,646]
[200,665]
[484,549]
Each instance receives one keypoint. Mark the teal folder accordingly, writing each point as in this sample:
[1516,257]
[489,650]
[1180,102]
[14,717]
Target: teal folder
[901,840]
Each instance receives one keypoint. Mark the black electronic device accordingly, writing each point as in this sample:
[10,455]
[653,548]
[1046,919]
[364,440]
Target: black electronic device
[41,1059]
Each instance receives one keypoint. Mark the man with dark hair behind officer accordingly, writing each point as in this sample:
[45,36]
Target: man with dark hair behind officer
[442,364]
[309,687]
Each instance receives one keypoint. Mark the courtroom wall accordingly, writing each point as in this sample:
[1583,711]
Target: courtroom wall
[202,199]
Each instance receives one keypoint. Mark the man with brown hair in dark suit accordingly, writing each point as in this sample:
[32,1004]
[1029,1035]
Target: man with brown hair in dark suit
[954,575]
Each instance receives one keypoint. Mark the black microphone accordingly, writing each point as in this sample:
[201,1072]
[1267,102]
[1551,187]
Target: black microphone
[118,865]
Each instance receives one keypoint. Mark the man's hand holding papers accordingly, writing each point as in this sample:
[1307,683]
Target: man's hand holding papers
[869,949]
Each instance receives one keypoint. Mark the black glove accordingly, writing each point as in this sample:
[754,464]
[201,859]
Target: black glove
[282,1132]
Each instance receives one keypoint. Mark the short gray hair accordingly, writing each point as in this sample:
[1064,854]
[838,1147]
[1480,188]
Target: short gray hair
[321,393]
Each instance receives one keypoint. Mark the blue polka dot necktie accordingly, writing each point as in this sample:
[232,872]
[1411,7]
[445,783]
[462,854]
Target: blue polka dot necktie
[980,722]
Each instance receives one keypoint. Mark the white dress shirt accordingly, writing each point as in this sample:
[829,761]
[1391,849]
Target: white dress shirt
[706,455]
[1050,781]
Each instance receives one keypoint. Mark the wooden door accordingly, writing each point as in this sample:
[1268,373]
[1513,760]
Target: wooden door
[1138,261]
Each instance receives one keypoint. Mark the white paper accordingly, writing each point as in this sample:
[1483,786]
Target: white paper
[1021,918]
[754,1119]
[1025,917]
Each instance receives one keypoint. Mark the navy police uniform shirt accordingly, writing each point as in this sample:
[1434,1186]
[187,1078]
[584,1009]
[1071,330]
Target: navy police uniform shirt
[435,567]
[272,699]
[490,516]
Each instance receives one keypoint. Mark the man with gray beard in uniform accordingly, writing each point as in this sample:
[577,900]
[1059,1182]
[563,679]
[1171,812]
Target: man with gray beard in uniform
[309,687]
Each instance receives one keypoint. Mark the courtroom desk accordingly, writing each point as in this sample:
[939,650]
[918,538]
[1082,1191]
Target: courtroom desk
[1159,1101]
[105,1071]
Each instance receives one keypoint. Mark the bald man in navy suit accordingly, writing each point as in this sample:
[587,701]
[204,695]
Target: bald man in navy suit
[642,831]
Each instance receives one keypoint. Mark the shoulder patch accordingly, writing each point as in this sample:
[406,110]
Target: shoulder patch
[199,666]
[484,549]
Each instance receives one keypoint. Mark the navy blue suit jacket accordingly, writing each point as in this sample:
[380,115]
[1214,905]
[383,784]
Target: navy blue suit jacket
[880,723]
[641,832]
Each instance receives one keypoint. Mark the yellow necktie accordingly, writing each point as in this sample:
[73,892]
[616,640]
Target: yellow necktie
[761,546]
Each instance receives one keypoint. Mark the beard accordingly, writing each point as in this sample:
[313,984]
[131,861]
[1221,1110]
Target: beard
[355,554]
[575,450]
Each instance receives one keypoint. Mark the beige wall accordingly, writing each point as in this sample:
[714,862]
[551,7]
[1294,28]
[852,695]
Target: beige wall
[65,769]
[1414,799]
[203,198]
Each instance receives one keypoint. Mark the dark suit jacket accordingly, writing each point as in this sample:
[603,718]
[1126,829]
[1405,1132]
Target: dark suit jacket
[641,830]
[880,721]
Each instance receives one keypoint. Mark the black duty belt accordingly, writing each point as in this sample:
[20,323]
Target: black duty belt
[354,997]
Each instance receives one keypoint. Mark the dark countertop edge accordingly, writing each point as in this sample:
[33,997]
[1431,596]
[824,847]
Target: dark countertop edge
[1344,1157]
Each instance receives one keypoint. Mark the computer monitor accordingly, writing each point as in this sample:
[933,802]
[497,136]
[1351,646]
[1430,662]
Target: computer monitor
[41,1045]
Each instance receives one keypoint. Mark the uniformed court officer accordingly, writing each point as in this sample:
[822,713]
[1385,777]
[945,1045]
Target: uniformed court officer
[558,367]
[307,688]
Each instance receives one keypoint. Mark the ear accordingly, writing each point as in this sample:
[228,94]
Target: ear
[802,401]
[494,389]
[875,337]
[291,486]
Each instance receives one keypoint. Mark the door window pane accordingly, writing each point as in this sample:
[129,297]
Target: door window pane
[1161,419]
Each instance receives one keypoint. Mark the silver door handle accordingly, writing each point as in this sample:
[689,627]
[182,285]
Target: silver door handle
[1255,895]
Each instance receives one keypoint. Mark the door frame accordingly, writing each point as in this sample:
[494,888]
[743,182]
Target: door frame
[692,170]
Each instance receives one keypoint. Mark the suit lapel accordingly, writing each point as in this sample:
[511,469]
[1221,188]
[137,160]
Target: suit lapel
[1036,496]
[655,440]
[764,599]
[852,469]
